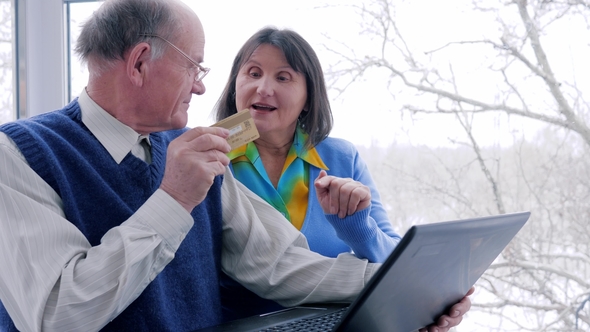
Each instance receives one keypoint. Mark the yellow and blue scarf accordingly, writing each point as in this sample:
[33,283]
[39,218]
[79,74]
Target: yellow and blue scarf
[291,195]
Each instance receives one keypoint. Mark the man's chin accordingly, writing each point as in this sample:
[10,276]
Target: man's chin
[179,122]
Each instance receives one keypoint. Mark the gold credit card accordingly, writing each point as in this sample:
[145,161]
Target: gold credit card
[242,129]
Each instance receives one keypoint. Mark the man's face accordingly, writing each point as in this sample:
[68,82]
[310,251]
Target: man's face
[170,84]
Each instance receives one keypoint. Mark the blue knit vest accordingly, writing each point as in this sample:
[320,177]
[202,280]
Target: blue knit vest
[99,194]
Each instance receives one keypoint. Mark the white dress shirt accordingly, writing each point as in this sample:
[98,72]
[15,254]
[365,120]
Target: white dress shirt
[52,279]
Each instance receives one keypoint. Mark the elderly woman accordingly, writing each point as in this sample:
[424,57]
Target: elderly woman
[277,77]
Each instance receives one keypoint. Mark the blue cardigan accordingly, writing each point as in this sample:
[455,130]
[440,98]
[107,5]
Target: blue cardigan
[367,233]
[99,194]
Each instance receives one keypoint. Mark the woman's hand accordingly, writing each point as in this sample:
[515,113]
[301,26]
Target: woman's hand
[454,317]
[341,196]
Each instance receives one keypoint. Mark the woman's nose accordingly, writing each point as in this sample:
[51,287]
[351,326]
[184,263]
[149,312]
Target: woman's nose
[265,87]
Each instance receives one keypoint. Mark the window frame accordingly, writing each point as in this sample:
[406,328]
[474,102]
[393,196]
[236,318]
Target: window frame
[42,74]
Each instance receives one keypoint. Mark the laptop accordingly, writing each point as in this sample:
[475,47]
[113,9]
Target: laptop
[432,268]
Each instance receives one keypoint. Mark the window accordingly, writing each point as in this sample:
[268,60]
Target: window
[7,59]
[76,14]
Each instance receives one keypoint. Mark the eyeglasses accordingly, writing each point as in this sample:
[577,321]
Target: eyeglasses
[201,71]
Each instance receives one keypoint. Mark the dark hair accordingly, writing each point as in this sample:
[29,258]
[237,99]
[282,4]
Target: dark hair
[118,25]
[317,121]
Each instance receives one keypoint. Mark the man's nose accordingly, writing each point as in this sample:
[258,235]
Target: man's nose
[199,88]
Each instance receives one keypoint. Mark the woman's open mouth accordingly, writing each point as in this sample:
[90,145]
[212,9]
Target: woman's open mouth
[264,108]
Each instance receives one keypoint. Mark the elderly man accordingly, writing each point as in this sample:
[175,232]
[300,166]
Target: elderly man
[114,216]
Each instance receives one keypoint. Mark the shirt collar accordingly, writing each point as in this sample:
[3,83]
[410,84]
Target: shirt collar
[311,156]
[116,137]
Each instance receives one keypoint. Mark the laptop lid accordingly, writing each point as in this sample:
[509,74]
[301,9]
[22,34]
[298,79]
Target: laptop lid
[432,268]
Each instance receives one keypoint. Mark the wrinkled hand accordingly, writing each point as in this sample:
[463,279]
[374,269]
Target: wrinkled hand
[445,323]
[193,161]
[341,196]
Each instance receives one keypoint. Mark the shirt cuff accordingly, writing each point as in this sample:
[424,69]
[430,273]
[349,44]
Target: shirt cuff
[372,268]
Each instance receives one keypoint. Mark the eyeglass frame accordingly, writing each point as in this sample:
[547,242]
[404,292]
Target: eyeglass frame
[202,71]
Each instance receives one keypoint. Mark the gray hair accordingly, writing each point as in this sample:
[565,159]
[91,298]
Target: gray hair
[118,25]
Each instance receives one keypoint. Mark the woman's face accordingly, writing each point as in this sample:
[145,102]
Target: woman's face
[274,92]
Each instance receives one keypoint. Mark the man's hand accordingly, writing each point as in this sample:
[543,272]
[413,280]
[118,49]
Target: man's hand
[445,323]
[193,161]
[341,196]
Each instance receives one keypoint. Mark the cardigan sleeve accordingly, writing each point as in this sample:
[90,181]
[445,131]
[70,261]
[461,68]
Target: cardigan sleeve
[369,232]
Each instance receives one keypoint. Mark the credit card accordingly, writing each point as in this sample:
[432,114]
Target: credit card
[242,129]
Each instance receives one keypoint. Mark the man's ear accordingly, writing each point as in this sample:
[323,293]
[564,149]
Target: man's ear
[137,63]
